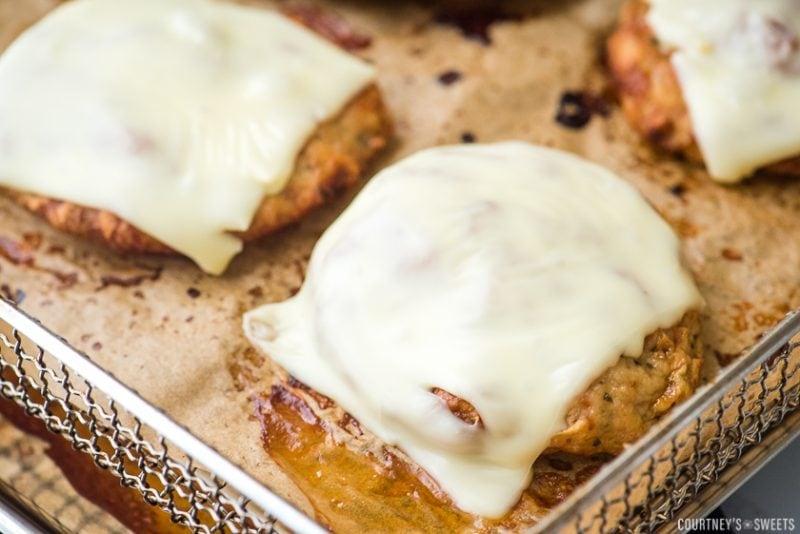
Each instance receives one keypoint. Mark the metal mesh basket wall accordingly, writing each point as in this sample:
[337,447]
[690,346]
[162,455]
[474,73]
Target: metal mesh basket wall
[124,434]
[31,482]
[650,483]
[639,491]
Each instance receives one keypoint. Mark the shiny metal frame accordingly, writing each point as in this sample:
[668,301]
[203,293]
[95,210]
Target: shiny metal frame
[724,424]
[136,441]
[642,490]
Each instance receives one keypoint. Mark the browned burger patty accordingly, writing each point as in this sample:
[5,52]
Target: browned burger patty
[649,91]
[357,484]
[332,160]
[624,402]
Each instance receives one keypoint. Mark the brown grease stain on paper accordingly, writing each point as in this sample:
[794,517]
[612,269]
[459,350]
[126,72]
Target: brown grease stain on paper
[192,365]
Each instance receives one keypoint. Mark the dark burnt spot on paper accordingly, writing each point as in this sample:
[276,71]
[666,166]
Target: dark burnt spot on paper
[732,254]
[130,281]
[677,190]
[475,22]
[449,77]
[576,108]
[18,253]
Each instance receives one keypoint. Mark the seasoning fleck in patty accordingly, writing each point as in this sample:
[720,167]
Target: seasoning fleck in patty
[649,90]
[624,402]
[333,460]
[332,160]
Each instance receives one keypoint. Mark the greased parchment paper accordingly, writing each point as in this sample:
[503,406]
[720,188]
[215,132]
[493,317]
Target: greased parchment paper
[174,334]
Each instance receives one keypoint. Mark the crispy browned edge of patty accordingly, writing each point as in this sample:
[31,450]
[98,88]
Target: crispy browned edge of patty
[650,93]
[305,439]
[615,410]
[623,403]
[331,161]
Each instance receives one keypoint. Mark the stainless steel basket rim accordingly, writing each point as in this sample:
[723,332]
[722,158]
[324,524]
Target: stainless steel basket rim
[615,472]
[289,515]
[611,475]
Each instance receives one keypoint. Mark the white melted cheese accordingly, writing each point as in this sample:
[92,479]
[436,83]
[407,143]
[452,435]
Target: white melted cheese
[738,65]
[177,115]
[508,275]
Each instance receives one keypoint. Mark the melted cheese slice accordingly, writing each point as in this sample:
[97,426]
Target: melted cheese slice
[509,275]
[738,64]
[177,115]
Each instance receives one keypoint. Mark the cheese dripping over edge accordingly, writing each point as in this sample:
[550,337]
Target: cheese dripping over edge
[738,65]
[509,275]
[179,116]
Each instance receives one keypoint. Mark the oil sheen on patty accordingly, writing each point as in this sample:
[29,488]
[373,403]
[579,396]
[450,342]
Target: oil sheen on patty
[509,276]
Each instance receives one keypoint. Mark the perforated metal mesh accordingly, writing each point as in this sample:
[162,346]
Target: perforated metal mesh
[637,492]
[646,486]
[192,493]
[30,476]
